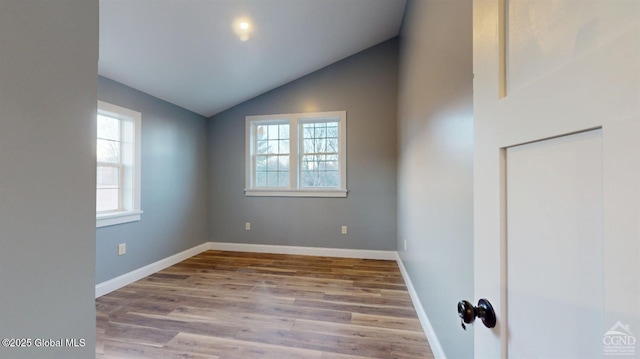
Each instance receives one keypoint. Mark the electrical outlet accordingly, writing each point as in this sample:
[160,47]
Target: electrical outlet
[122,249]
[247,226]
[343,230]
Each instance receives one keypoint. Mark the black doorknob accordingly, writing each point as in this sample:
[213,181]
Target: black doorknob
[468,313]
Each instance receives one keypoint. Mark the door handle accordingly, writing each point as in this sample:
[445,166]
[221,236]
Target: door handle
[468,313]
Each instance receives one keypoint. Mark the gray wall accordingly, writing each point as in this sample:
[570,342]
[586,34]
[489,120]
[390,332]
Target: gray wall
[435,163]
[48,72]
[365,85]
[174,185]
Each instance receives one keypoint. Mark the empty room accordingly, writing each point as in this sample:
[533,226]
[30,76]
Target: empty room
[330,179]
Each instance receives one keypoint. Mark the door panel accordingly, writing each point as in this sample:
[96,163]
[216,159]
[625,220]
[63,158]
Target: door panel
[546,35]
[567,66]
[554,247]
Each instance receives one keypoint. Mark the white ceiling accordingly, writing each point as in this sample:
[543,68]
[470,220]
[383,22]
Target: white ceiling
[186,51]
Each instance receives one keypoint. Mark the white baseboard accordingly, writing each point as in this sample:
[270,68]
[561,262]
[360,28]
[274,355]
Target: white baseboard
[128,278]
[310,251]
[434,343]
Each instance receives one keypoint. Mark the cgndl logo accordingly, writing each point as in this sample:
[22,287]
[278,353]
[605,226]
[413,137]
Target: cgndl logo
[619,340]
[619,329]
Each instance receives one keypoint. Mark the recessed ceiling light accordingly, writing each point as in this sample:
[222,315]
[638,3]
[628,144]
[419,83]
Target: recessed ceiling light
[242,28]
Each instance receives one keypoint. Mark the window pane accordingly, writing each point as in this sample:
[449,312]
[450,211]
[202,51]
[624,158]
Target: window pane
[332,129]
[321,130]
[261,179]
[315,157]
[307,131]
[108,151]
[322,146]
[320,179]
[309,146]
[272,179]
[307,163]
[322,164]
[261,163]
[332,145]
[263,146]
[332,166]
[284,132]
[272,163]
[108,128]
[284,147]
[273,132]
[108,176]
[284,163]
[272,170]
[330,179]
[319,166]
[273,146]
[261,132]
[308,179]
[272,139]
[272,155]
[107,199]
[283,179]
[117,163]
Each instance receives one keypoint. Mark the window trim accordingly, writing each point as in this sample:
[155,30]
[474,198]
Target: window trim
[134,213]
[295,120]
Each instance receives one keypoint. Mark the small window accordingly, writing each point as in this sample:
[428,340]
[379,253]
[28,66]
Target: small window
[301,154]
[117,165]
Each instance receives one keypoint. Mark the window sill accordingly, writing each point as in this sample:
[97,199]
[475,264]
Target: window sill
[296,193]
[111,219]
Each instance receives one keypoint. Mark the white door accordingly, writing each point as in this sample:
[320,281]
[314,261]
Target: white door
[554,247]
[557,177]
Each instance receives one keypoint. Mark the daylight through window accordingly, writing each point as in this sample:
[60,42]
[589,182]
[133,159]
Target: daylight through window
[300,154]
[117,165]
[110,166]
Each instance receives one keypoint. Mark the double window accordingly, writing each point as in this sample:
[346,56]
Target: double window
[117,165]
[302,154]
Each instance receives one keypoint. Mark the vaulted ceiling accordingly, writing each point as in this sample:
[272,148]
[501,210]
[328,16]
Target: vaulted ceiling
[209,55]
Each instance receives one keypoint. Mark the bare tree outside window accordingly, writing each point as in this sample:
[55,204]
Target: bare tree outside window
[320,165]
[296,155]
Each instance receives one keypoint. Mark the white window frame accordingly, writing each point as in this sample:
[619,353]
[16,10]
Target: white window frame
[295,120]
[130,202]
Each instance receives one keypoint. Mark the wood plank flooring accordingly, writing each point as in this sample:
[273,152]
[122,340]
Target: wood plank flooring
[235,305]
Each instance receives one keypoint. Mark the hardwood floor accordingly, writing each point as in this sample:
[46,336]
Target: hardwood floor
[234,305]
